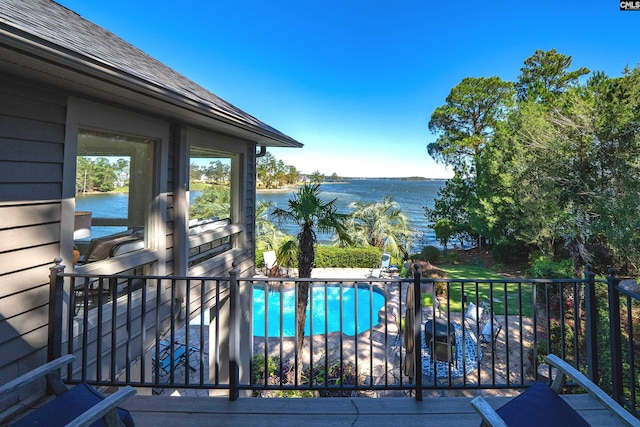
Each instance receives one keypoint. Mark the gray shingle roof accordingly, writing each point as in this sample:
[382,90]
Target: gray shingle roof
[63,29]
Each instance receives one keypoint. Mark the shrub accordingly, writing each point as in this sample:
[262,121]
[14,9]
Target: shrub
[335,257]
[544,267]
[429,271]
[430,254]
[337,375]
[452,257]
[508,251]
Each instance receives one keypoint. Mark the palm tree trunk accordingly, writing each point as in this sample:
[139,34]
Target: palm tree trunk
[301,311]
[306,258]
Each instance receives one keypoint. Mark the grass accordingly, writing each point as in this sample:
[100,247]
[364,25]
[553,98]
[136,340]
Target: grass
[470,274]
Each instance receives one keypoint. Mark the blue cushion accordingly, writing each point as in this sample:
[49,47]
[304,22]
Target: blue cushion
[66,407]
[540,406]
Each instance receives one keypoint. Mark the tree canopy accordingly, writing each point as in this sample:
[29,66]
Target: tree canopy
[547,164]
[380,224]
[101,174]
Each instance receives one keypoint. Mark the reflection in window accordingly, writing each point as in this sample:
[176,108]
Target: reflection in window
[210,186]
[114,176]
[209,200]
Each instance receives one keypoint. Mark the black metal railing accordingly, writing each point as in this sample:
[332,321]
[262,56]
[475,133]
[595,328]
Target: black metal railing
[623,332]
[138,330]
[210,335]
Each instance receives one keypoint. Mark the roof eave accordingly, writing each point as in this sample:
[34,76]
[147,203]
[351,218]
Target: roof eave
[69,60]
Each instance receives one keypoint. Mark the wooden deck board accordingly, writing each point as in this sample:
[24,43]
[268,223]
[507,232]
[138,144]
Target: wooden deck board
[441,411]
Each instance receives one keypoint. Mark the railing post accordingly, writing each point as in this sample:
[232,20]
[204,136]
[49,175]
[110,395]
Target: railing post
[234,334]
[592,324]
[56,295]
[614,336]
[417,344]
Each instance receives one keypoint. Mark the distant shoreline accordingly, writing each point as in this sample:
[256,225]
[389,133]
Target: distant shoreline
[294,187]
[291,188]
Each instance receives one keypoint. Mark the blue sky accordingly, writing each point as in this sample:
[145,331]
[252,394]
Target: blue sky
[356,81]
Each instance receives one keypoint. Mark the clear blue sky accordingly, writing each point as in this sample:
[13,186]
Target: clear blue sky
[356,81]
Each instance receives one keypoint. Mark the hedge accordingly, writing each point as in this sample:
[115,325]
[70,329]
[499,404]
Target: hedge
[335,257]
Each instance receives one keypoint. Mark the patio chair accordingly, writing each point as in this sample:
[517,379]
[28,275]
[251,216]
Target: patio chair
[272,269]
[100,249]
[483,324]
[385,262]
[163,362]
[490,331]
[398,340]
[541,405]
[80,405]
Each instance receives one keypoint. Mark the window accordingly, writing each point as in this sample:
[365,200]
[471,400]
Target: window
[210,202]
[114,184]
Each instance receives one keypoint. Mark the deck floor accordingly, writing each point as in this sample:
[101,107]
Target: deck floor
[357,411]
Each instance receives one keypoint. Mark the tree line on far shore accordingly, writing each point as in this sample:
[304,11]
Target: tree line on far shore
[273,173]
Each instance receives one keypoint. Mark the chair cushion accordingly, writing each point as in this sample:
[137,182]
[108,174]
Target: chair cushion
[66,407]
[540,406]
[473,312]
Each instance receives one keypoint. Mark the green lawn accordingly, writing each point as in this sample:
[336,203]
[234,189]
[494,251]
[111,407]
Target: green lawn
[501,292]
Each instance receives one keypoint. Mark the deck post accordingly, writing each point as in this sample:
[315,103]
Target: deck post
[56,295]
[592,324]
[614,336]
[417,300]
[234,334]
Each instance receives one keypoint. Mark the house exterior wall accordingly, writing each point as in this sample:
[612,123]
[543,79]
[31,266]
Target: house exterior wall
[39,126]
[32,134]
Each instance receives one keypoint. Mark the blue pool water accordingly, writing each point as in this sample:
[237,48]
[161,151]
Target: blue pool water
[338,300]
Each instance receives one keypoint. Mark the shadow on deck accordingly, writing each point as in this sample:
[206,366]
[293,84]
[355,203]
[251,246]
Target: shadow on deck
[357,411]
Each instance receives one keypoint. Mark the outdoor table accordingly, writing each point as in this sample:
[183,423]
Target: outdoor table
[445,331]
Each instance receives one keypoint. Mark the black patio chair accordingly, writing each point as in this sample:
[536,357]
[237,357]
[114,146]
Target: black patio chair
[541,405]
[79,405]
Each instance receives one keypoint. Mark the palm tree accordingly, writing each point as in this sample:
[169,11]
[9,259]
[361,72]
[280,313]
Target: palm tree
[307,210]
[268,236]
[380,224]
[214,202]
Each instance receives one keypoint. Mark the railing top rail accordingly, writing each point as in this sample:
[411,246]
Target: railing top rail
[144,276]
[344,279]
[322,279]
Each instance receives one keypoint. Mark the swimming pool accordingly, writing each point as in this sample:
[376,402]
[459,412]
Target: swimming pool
[337,299]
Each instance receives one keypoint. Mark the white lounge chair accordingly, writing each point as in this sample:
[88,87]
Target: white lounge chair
[384,266]
[386,262]
[271,267]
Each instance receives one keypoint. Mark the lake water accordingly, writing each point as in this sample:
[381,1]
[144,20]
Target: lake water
[412,197]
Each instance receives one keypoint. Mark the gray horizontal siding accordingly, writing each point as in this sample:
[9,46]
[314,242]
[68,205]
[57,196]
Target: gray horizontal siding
[32,134]
[32,128]
[18,216]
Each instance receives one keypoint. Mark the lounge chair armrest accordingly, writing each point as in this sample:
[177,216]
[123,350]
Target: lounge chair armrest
[613,406]
[109,404]
[487,413]
[36,374]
